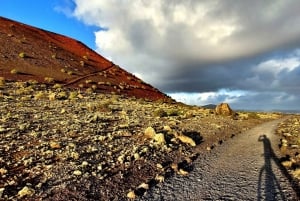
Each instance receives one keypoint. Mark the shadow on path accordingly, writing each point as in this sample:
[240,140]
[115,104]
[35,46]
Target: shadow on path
[271,189]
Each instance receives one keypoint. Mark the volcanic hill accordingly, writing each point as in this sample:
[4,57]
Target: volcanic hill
[30,53]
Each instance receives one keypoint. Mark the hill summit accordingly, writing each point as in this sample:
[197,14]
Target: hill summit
[30,53]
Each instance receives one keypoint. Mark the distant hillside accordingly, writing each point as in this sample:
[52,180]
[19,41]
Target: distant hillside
[210,106]
[287,111]
[29,53]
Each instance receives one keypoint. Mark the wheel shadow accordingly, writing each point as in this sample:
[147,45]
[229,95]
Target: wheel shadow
[269,187]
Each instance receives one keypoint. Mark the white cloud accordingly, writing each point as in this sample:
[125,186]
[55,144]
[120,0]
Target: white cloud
[190,26]
[65,7]
[111,40]
[191,46]
[205,98]
[275,66]
[180,31]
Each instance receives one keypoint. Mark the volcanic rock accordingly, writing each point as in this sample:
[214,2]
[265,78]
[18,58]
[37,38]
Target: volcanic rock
[224,109]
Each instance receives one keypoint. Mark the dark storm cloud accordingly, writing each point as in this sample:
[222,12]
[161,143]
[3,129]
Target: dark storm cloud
[290,81]
[267,101]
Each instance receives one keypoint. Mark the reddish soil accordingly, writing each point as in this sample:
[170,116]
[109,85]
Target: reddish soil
[29,53]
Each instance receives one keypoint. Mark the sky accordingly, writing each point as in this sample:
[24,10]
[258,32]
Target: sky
[245,53]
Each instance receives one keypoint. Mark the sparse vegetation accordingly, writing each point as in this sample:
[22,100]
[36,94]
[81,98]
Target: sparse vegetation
[88,81]
[174,112]
[22,55]
[167,113]
[253,115]
[73,95]
[94,87]
[2,81]
[14,71]
[61,95]
[89,90]
[39,95]
[26,98]
[49,80]
[57,86]
[24,90]
[160,113]
[32,82]
[20,84]
[21,41]
[51,96]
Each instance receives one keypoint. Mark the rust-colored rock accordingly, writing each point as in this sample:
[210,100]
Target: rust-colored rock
[224,109]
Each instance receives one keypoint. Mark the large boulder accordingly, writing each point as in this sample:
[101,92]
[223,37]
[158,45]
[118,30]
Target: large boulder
[224,109]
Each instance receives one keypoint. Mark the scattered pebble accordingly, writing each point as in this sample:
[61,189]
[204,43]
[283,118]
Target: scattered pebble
[149,132]
[183,172]
[3,171]
[159,138]
[160,178]
[26,191]
[54,145]
[186,140]
[1,192]
[144,186]
[77,172]
[131,195]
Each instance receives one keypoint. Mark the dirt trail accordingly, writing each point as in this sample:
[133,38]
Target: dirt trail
[244,168]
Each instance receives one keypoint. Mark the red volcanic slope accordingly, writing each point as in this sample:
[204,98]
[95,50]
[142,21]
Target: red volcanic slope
[29,53]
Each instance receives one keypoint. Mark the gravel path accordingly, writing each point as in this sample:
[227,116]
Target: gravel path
[244,168]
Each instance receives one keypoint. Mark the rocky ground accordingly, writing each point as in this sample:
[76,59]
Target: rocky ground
[289,131]
[60,144]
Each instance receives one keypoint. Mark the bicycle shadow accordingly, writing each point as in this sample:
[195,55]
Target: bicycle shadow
[271,188]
